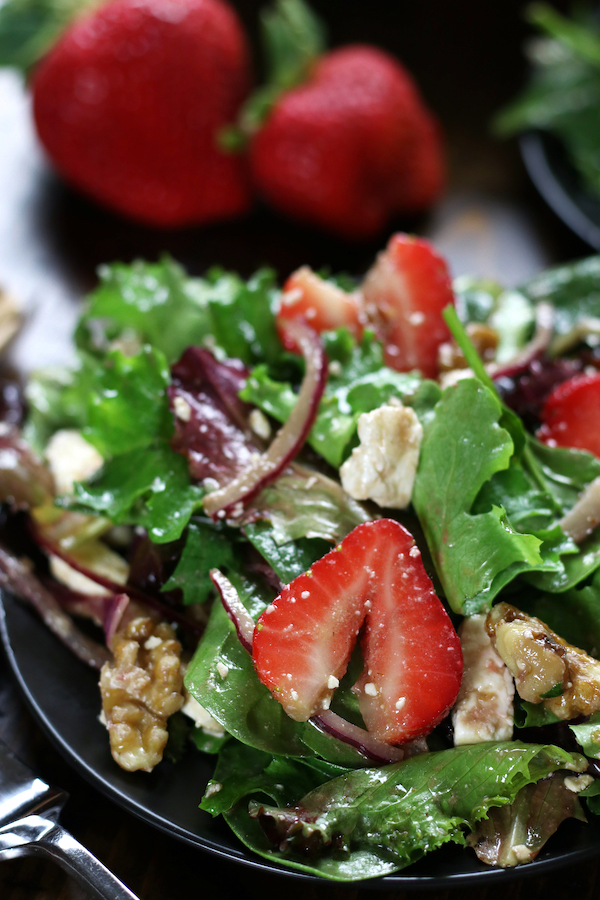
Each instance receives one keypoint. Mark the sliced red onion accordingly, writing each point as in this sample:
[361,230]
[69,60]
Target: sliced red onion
[544,327]
[114,607]
[229,501]
[16,577]
[235,609]
[167,612]
[357,737]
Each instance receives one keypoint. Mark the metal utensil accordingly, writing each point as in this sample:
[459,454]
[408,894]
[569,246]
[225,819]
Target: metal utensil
[29,810]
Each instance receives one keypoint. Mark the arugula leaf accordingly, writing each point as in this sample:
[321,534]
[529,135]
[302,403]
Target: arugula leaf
[148,486]
[372,822]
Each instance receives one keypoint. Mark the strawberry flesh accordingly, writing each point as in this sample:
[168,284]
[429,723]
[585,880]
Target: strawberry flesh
[571,415]
[405,292]
[322,304]
[413,661]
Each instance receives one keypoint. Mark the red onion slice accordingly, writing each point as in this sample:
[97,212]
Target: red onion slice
[235,609]
[16,577]
[114,607]
[167,612]
[357,737]
[230,500]
[585,515]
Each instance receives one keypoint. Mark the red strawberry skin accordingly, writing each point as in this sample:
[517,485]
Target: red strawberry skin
[129,103]
[413,661]
[405,292]
[571,415]
[351,147]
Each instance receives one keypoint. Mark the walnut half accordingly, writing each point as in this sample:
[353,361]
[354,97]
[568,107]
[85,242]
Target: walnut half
[140,690]
[542,663]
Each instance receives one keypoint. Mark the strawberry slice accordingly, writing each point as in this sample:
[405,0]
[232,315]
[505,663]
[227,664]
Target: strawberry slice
[322,304]
[571,415]
[413,662]
[405,292]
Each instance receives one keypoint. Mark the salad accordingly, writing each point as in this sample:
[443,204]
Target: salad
[340,535]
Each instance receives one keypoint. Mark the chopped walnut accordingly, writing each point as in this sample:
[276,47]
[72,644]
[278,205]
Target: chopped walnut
[140,691]
[483,338]
[543,663]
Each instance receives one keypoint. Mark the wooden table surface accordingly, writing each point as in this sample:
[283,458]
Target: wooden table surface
[490,223]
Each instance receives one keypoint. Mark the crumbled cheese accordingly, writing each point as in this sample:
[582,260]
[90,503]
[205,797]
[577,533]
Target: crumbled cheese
[201,717]
[71,458]
[332,682]
[371,689]
[259,424]
[213,788]
[222,669]
[484,708]
[383,467]
[182,408]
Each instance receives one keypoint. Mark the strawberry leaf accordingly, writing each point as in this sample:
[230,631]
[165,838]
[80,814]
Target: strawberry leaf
[28,28]
[294,37]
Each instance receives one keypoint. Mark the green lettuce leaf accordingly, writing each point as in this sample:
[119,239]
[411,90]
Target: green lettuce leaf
[358,382]
[158,304]
[207,547]
[475,554]
[372,822]
[149,486]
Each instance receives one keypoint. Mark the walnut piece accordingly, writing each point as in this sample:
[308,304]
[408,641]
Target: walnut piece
[140,690]
[541,662]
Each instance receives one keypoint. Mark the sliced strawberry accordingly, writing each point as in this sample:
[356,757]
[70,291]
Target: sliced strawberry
[571,415]
[405,292]
[413,662]
[322,304]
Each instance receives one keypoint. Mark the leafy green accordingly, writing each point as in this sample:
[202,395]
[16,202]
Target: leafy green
[28,28]
[463,447]
[563,96]
[206,547]
[372,822]
[358,382]
[587,735]
[528,822]
[146,486]
[158,304]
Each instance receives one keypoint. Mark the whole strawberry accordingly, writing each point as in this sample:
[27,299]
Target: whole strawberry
[130,102]
[351,146]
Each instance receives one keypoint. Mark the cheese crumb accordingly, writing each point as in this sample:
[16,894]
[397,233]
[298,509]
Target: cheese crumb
[222,669]
[332,682]
[259,424]
[182,408]
[384,465]
[71,458]
[371,689]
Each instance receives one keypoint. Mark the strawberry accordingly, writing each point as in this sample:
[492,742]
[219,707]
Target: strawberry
[130,101]
[350,147]
[412,655]
[405,292]
[321,303]
[571,415]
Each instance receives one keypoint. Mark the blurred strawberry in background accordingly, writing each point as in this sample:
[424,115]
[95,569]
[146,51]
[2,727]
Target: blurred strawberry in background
[145,107]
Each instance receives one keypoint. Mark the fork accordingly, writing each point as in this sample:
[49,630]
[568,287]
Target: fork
[29,811]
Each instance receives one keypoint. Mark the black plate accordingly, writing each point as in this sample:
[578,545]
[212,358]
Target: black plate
[63,696]
[561,187]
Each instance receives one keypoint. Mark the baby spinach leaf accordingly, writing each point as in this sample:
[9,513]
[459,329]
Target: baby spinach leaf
[206,547]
